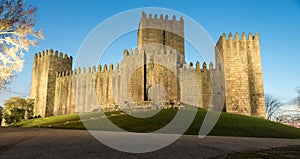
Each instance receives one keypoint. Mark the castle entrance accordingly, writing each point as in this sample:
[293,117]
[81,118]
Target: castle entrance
[156,94]
[159,85]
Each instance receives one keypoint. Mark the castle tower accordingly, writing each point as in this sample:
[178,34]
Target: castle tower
[244,90]
[160,38]
[256,80]
[154,74]
[45,66]
[162,31]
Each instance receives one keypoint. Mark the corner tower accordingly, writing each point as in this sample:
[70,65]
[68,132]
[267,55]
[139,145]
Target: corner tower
[244,89]
[162,31]
[45,66]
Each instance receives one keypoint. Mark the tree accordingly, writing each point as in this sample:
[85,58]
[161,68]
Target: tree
[16,109]
[298,97]
[1,109]
[272,105]
[17,34]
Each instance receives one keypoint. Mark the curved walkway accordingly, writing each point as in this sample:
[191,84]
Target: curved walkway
[62,143]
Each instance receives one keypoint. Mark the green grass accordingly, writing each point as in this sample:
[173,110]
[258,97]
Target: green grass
[53,121]
[227,125]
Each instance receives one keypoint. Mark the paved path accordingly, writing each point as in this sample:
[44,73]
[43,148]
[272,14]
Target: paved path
[61,143]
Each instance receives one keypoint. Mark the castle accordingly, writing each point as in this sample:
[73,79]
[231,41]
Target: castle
[156,71]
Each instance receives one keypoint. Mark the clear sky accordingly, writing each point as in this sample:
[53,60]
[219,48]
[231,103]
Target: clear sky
[66,23]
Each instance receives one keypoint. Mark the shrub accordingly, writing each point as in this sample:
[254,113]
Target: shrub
[17,109]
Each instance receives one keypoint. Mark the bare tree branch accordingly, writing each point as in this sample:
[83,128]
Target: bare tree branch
[272,105]
[17,34]
[297,100]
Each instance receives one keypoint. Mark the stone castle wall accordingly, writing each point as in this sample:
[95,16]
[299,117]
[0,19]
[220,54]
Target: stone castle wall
[155,71]
[83,90]
[160,30]
[243,74]
[45,66]
[63,99]
[146,69]
[126,84]
[195,85]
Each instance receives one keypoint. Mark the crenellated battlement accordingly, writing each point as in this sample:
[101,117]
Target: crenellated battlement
[198,66]
[250,39]
[159,51]
[161,30]
[89,70]
[159,59]
[162,23]
[64,73]
[161,17]
[51,52]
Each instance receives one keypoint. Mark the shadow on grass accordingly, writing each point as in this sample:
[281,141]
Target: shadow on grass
[227,125]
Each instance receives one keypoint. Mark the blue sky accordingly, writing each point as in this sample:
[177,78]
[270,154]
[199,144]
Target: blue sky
[66,23]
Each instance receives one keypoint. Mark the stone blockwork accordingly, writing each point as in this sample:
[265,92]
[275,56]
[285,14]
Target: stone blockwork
[154,72]
[243,74]
[160,30]
[45,66]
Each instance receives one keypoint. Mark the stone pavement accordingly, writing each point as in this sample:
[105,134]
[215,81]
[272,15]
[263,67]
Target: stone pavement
[62,143]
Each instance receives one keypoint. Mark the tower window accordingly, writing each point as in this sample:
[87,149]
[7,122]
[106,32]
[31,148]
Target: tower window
[164,37]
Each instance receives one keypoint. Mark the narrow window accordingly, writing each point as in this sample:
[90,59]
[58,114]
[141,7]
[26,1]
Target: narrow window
[164,37]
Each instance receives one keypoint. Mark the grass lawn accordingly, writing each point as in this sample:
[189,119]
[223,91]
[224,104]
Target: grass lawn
[227,125]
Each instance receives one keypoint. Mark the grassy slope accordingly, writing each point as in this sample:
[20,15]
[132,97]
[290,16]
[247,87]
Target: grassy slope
[227,125]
